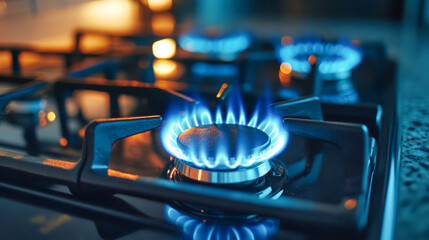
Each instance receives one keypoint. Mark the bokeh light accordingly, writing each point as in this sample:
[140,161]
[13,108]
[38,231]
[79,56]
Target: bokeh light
[160,5]
[165,48]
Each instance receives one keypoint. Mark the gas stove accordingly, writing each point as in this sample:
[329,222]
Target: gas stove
[230,137]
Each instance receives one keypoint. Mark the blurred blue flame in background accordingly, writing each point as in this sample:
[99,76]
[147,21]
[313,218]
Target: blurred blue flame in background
[178,120]
[198,229]
[228,44]
[214,70]
[336,57]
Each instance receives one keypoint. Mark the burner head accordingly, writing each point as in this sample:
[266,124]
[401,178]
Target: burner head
[234,139]
[336,59]
[225,145]
[229,140]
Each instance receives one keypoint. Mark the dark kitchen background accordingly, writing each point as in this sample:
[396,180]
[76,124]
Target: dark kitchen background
[53,38]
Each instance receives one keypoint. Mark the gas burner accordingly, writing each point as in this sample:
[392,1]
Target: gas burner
[224,150]
[335,59]
[319,68]
[201,222]
[228,44]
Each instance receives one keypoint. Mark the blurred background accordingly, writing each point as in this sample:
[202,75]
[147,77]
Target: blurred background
[53,25]
[43,33]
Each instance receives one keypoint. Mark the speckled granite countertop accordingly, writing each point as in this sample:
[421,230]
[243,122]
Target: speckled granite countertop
[413,198]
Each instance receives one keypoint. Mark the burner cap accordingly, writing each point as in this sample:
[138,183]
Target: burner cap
[234,139]
[216,141]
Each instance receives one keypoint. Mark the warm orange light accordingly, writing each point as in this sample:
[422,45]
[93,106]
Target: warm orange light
[286,68]
[284,73]
[42,114]
[165,48]
[63,142]
[93,104]
[112,15]
[3,7]
[350,204]
[82,132]
[199,175]
[92,43]
[59,163]
[163,24]
[42,118]
[287,40]
[51,116]
[114,173]
[284,79]
[160,5]
[312,59]
[11,155]
[164,68]
[221,90]
[171,84]
[5,60]
[42,122]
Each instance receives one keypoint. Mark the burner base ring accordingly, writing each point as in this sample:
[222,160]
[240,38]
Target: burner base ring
[232,176]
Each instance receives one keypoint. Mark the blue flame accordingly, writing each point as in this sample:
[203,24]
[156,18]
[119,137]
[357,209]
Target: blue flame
[211,229]
[336,57]
[214,70]
[199,115]
[228,44]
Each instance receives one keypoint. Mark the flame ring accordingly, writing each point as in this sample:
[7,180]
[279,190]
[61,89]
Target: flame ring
[229,44]
[346,57]
[271,126]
